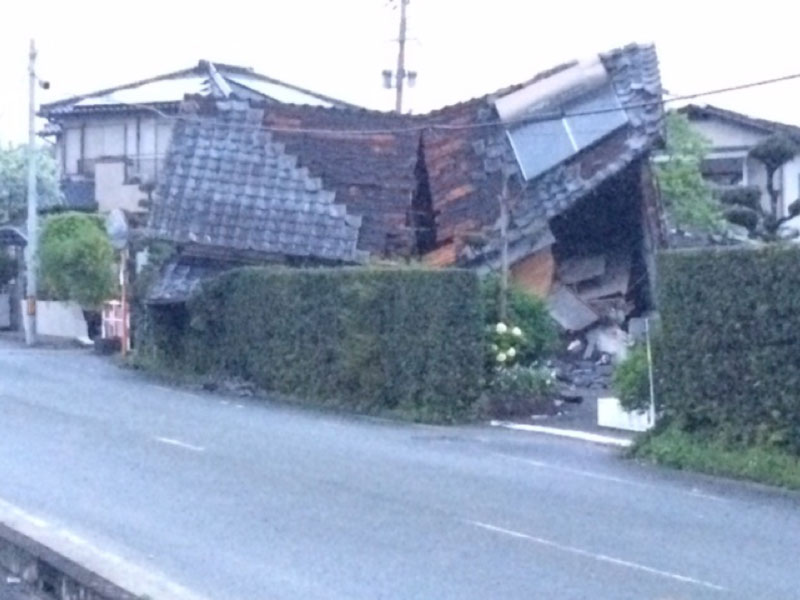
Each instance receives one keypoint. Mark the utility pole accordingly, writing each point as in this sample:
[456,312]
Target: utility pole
[33,234]
[401,58]
[398,78]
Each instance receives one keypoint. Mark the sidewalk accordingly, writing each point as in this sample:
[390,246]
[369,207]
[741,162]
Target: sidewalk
[575,421]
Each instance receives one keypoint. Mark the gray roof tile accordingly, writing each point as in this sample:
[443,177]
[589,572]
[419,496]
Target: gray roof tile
[251,202]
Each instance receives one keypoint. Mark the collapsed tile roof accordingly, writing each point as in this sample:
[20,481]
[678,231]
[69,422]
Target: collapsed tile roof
[229,185]
[368,172]
[465,165]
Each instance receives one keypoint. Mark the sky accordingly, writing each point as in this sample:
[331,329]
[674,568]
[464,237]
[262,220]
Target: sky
[460,48]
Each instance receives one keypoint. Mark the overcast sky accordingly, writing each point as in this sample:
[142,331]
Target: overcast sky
[461,48]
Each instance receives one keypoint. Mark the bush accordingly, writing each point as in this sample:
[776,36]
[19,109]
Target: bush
[76,259]
[632,380]
[407,341]
[673,447]
[520,391]
[728,358]
[525,311]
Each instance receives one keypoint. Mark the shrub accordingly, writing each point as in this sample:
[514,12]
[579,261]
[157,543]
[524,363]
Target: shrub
[728,356]
[408,341]
[519,391]
[525,311]
[676,448]
[632,380]
[76,259]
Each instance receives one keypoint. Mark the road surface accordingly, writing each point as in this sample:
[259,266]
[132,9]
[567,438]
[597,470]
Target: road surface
[242,499]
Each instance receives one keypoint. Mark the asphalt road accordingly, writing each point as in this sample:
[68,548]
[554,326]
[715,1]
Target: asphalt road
[242,500]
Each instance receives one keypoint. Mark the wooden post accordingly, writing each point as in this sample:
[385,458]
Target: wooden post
[504,266]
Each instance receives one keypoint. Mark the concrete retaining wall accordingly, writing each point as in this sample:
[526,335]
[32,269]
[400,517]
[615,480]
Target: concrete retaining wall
[51,573]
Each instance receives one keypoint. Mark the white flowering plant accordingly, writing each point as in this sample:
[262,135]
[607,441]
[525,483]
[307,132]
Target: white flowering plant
[506,344]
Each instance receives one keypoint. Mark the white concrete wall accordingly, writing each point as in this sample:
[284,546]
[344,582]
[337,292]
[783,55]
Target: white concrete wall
[60,319]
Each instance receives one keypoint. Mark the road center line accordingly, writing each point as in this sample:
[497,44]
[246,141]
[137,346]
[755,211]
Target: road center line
[610,478]
[599,557]
[180,444]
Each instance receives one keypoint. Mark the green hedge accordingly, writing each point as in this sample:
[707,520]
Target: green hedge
[728,358]
[408,341]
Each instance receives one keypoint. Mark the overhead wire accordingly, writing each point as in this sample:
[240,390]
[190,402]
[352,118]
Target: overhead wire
[432,125]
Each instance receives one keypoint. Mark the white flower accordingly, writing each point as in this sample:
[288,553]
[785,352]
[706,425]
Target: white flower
[511,353]
[494,348]
[501,357]
[501,328]
[516,332]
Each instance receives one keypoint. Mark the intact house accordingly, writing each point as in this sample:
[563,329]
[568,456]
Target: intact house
[731,136]
[248,181]
[110,144]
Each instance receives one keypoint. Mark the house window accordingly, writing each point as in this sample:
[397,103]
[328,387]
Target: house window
[724,171]
[541,145]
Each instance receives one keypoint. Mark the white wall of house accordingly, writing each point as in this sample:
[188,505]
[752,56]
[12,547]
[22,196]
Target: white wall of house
[110,189]
[722,134]
[130,149]
[730,139]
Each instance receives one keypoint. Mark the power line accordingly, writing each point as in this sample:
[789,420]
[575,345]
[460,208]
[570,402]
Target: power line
[433,126]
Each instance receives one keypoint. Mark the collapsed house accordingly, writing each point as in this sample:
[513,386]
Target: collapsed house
[551,175]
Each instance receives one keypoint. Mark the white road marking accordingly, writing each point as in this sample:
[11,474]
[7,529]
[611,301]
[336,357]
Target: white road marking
[568,433]
[599,557]
[142,580]
[180,444]
[610,478]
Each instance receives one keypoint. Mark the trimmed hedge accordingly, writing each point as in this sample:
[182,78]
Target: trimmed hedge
[408,341]
[728,358]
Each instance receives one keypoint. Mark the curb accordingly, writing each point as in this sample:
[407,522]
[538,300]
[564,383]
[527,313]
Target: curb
[49,572]
[574,434]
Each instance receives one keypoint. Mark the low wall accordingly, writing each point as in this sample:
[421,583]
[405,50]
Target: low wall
[51,573]
[60,319]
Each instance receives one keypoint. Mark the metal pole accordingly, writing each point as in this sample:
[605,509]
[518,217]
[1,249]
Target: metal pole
[123,276]
[401,58]
[32,246]
[650,373]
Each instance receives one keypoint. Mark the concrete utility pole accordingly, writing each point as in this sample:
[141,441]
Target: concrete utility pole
[33,235]
[401,58]
[398,78]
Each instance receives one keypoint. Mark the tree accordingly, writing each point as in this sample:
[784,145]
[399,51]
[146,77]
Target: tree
[744,202]
[14,182]
[773,153]
[687,196]
[76,259]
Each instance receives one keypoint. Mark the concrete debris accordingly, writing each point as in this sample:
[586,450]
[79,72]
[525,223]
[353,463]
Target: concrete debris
[614,281]
[569,311]
[610,340]
[575,346]
[583,268]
